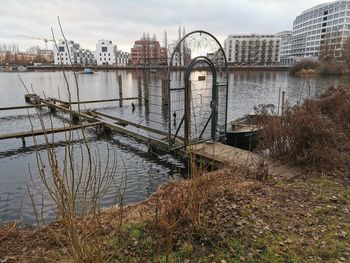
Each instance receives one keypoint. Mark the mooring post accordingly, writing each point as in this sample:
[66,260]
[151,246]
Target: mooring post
[52,108]
[75,118]
[27,98]
[139,90]
[146,89]
[282,106]
[120,83]
[165,91]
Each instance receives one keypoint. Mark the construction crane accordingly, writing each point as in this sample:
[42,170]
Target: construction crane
[46,40]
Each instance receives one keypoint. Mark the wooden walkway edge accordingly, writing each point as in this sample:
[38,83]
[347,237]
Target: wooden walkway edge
[32,133]
[221,153]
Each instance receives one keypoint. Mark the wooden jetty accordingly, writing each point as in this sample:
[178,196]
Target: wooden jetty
[109,122]
[211,152]
[77,116]
[220,153]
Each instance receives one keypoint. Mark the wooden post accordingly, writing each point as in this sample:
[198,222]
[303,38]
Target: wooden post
[164,84]
[146,95]
[282,106]
[75,119]
[279,100]
[120,82]
[139,90]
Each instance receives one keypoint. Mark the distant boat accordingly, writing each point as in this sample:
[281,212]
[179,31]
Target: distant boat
[21,69]
[88,71]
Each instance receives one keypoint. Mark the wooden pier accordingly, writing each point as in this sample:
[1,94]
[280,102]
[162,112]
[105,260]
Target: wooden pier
[211,152]
[220,153]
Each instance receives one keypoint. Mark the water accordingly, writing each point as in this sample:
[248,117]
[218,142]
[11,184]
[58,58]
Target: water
[144,171]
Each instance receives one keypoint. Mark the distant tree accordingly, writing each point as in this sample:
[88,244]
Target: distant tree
[346,51]
[326,49]
[7,57]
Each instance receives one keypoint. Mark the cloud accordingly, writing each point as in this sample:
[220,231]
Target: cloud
[124,21]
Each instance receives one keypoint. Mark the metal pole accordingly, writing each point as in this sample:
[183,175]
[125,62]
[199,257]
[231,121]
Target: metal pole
[120,82]
[214,105]
[187,113]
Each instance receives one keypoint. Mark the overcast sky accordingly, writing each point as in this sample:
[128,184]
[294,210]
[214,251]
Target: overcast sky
[124,21]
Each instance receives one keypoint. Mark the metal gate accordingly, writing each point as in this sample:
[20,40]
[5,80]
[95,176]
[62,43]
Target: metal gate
[197,84]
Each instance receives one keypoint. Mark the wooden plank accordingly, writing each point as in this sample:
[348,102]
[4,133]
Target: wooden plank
[67,110]
[222,153]
[20,107]
[46,131]
[122,121]
[95,101]
[158,143]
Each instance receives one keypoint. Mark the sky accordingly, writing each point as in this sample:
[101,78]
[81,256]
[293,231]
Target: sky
[124,21]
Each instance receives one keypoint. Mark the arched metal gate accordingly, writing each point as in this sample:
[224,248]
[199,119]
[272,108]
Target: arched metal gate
[197,91]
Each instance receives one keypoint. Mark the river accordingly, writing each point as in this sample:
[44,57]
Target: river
[143,172]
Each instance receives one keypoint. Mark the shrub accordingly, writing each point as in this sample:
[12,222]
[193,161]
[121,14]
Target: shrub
[303,64]
[333,68]
[315,135]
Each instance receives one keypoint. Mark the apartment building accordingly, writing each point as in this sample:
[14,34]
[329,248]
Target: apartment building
[70,53]
[105,53]
[285,47]
[122,58]
[253,49]
[147,51]
[325,26]
[85,57]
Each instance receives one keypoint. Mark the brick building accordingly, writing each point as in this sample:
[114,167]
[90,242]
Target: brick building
[147,51]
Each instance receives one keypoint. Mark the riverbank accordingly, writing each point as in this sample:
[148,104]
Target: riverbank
[154,68]
[241,220]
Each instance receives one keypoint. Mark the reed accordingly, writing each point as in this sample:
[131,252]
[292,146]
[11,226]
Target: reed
[76,184]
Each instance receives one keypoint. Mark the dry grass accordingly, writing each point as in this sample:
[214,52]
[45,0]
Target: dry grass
[315,135]
[241,220]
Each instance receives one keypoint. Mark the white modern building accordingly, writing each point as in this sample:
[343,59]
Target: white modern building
[253,49]
[70,53]
[122,58]
[285,47]
[85,57]
[325,26]
[105,54]
[65,53]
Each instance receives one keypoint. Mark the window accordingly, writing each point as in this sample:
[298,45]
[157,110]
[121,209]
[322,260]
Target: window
[61,49]
[104,49]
